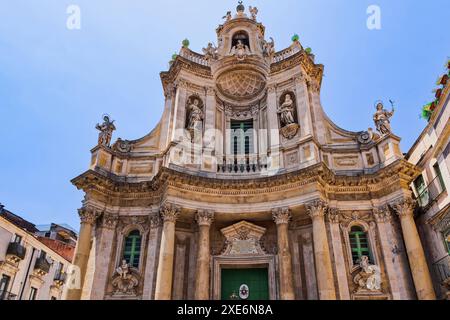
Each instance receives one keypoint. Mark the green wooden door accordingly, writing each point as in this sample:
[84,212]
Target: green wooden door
[256,280]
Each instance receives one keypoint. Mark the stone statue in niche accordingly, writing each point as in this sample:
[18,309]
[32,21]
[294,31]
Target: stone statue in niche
[240,50]
[125,280]
[195,114]
[382,118]
[369,276]
[286,111]
[106,130]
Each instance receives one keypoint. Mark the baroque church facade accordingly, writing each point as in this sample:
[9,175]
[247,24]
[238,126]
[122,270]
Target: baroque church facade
[247,190]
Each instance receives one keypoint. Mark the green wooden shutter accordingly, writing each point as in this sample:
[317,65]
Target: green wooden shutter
[132,249]
[359,244]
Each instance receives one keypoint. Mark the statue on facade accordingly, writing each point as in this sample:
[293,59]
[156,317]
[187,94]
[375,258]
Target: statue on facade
[240,50]
[286,111]
[253,11]
[382,118]
[195,113]
[106,130]
[125,281]
[369,277]
[227,17]
[268,48]
[210,52]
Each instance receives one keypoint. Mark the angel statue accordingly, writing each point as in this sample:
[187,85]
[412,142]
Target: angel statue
[382,118]
[195,114]
[210,52]
[286,111]
[241,50]
[253,12]
[268,47]
[106,130]
[369,278]
[123,270]
[227,17]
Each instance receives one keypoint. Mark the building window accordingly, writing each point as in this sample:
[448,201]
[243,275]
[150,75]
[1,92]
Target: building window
[17,239]
[422,191]
[33,293]
[132,249]
[4,284]
[242,137]
[437,172]
[43,255]
[447,240]
[359,244]
[58,271]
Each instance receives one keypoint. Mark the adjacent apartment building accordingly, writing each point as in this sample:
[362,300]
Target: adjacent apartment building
[33,262]
[431,154]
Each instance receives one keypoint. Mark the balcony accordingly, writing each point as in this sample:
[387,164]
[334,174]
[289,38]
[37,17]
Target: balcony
[240,164]
[41,266]
[59,279]
[15,252]
[429,195]
[441,270]
[6,295]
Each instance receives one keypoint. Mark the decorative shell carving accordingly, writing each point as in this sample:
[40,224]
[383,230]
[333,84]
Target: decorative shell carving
[241,84]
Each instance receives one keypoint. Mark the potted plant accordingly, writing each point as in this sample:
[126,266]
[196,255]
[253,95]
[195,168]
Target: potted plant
[185,43]
[295,38]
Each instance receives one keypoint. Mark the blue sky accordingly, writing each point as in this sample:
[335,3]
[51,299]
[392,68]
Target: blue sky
[56,83]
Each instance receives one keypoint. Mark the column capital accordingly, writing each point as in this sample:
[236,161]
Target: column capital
[210,91]
[204,217]
[334,215]
[299,79]
[272,88]
[169,212]
[382,214]
[281,215]
[88,215]
[314,85]
[316,209]
[155,220]
[404,207]
[109,220]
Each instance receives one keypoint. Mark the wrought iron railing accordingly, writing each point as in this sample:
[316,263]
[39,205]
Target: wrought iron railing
[442,269]
[17,250]
[431,192]
[238,164]
[42,264]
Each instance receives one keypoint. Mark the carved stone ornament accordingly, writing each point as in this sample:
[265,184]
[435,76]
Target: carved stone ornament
[368,279]
[88,215]
[241,84]
[243,238]
[125,280]
[290,130]
[316,209]
[281,215]
[334,215]
[109,220]
[239,114]
[155,221]
[204,218]
[123,146]
[286,112]
[404,207]
[382,214]
[169,212]
[382,117]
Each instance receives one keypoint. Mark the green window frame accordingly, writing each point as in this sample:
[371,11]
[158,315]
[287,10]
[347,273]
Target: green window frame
[132,248]
[359,244]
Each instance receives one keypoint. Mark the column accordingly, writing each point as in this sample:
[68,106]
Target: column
[281,218]
[104,245]
[88,217]
[416,256]
[325,283]
[169,94]
[204,220]
[338,253]
[209,135]
[163,289]
[273,129]
[152,258]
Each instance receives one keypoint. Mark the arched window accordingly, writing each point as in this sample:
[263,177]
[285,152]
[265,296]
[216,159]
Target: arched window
[132,249]
[242,36]
[359,243]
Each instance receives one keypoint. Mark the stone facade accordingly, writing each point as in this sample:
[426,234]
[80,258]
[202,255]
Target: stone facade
[431,154]
[244,171]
